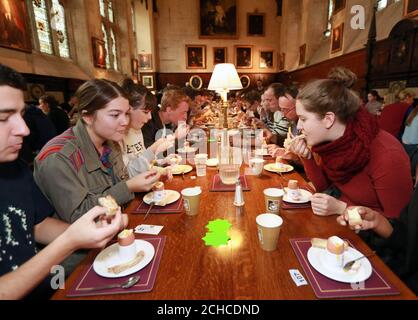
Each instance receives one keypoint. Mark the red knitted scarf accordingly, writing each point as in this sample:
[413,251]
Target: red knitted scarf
[348,155]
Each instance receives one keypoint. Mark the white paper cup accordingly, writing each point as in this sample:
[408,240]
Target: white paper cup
[272,199]
[268,227]
[191,200]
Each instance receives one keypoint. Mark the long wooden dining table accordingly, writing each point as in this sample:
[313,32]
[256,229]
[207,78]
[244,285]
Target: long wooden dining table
[189,269]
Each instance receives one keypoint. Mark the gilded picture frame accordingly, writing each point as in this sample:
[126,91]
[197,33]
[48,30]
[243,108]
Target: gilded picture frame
[218,19]
[255,24]
[99,53]
[337,38]
[220,55]
[15,32]
[148,81]
[243,57]
[195,56]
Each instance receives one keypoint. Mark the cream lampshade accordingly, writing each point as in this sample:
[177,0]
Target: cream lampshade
[224,78]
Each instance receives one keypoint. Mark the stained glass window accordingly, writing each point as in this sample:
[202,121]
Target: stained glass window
[58,16]
[42,26]
[102,8]
[109,36]
[106,45]
[115,62]
[110,10]
[329,15]
[381,4]
[133,17]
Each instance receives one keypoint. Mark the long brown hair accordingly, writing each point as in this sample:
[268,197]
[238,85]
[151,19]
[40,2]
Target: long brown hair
[95,94]
[135,92]
[332,95]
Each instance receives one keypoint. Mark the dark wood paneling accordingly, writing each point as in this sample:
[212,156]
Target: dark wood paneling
[396,58]
[354,61]
[380,59]
[67,86]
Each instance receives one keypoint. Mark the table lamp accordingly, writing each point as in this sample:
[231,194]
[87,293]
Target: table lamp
[224,78]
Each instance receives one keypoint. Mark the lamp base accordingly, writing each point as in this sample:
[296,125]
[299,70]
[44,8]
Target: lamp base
[225,113]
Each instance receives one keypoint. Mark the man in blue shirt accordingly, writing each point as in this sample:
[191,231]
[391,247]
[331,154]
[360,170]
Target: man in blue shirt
[25,212]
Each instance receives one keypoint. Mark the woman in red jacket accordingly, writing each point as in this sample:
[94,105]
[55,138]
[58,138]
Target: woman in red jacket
[343,149]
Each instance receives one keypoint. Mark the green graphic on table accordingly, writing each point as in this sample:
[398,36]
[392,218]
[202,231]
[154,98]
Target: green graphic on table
[218,233]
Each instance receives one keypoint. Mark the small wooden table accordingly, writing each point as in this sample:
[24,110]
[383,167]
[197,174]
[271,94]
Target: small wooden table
[241,270]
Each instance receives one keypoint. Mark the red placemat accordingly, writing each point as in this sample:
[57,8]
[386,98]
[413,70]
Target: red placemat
[376,285]
[175,207]
[89,278]
[288,206]
[217,184]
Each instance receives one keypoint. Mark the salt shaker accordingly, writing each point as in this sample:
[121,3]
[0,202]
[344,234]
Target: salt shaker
[239,197]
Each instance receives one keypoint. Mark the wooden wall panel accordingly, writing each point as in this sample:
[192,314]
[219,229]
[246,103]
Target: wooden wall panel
[355,61]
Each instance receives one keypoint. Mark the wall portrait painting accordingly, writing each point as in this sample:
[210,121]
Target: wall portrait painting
[337,38]
[195,56]
[219,55]
[14,29]
[145,61]
[243,57]
[266,59]
[218,18]
[99,53]
[255,24]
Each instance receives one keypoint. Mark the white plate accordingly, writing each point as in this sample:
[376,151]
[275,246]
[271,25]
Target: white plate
[272,167]
[316,257]
[170,197]
[212,162]
[188,150]
[180,168]
[262,152]
[305,196]
[159,169]
[109,257]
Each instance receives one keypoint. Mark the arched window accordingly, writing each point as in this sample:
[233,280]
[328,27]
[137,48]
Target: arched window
[110,11]
[381,4]
[102,8]
[105,37]
[51,28]
[112,37]
[330,9]
[42,26]
[58,16]
[109,33]
[133,18]
[133,24]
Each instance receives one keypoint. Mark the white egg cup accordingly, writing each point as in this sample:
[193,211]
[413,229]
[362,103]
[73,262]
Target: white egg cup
[158,195]
[333,260]
[293,193]
[127,253]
